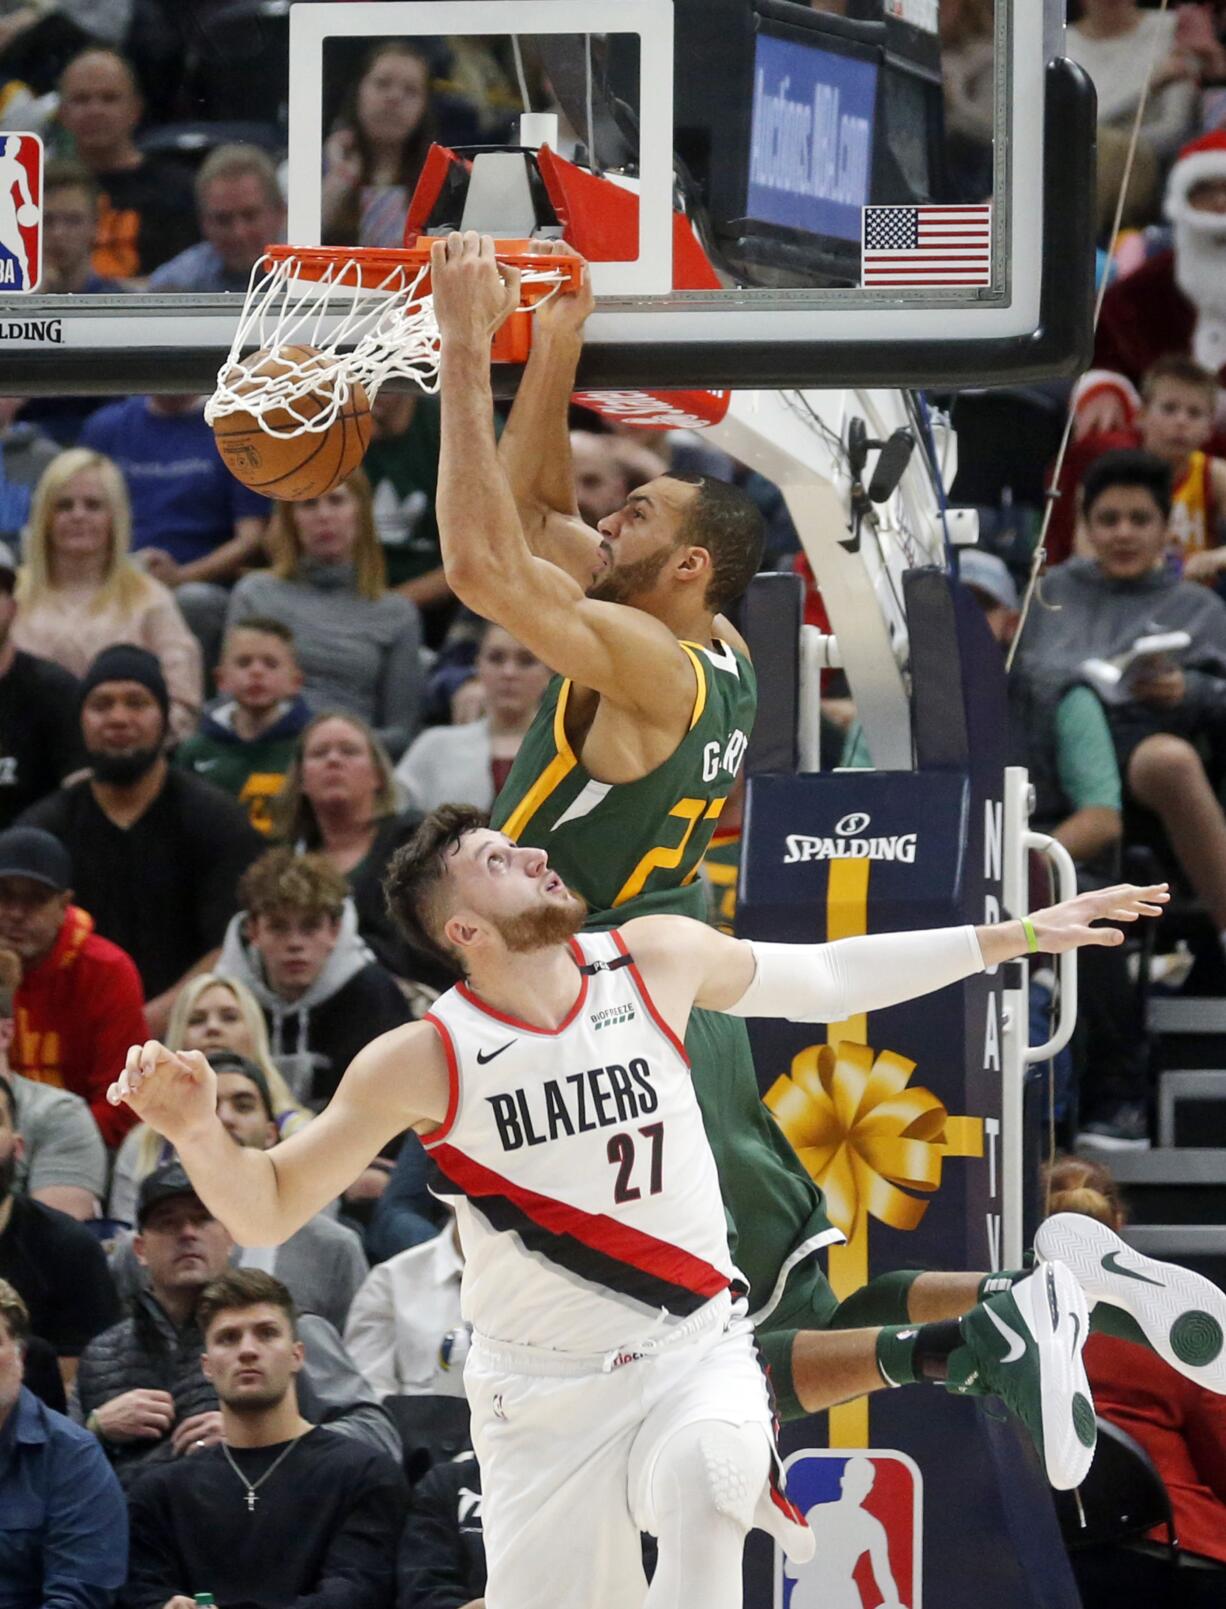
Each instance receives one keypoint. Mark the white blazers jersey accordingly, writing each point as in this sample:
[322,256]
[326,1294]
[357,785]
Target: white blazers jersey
[587,1198]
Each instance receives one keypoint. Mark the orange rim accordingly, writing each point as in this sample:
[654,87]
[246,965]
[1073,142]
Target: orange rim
[374,264]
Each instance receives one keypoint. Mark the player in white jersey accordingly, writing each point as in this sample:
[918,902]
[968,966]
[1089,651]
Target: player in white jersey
[612,1379]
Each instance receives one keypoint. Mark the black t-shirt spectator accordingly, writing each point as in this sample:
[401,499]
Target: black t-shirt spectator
[164,888]
[324,1530]
[40,733]
[442,1551]
[60,1272]
[146,215]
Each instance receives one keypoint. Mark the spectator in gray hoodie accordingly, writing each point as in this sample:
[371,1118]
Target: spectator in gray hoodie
[295,945]
[1168,714]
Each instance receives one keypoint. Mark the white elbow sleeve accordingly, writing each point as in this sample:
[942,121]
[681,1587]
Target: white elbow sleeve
[828,982]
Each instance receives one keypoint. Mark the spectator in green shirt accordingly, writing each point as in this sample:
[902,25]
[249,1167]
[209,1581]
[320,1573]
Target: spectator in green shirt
[402,465]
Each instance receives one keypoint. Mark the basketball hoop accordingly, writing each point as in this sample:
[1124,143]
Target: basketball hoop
[366,314]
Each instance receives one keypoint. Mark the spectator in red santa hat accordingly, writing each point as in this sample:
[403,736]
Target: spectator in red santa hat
[1174,303]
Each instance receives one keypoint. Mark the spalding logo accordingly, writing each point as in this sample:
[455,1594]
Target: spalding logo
[849,844]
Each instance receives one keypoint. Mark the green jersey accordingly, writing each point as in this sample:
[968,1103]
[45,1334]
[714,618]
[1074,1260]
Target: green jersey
[630,848]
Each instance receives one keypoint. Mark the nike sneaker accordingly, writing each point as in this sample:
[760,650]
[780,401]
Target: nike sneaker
[1024,1346]
[1181,1315]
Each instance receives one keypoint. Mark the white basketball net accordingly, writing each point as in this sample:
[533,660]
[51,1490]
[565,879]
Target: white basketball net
[364,327]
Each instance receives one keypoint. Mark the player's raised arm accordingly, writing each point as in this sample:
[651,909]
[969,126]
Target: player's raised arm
[621,652]
[535,445]
[688,964]
[396,1082]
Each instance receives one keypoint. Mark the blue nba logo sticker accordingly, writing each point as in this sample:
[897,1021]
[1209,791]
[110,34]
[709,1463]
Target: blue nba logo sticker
[865,1510]
[21,212]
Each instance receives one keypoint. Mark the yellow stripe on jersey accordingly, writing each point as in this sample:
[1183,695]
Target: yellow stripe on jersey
[558,769]
[700,697]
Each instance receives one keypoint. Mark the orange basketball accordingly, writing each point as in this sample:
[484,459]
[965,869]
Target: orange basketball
[294,468]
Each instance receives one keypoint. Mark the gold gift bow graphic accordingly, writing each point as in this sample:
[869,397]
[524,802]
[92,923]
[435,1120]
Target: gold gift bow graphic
[862,1134]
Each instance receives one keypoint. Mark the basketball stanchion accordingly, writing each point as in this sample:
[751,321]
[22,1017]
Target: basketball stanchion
[322,329]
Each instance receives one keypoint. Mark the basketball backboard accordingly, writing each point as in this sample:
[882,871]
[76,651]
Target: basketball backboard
[881,201]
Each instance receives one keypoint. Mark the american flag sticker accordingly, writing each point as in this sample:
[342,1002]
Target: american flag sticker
[933,247]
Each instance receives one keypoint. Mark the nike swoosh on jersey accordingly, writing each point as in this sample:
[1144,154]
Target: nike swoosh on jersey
[482,1058]
[1017,1346]
[1112,1267]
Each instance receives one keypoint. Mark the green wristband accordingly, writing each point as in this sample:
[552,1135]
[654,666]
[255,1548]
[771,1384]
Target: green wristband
[1032,938]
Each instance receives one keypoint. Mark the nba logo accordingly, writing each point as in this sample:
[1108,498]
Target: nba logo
[866,1512]
[21,212]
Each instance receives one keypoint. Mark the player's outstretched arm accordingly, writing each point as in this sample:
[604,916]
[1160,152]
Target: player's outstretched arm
[396,1082]
[686,963]
[620,652]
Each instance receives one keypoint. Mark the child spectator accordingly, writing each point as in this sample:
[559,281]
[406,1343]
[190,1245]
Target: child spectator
[358,644]
[1174,422]
[79,1006]
[79,592]
[295,946]
[246,743]
[211,1014]
[470,763]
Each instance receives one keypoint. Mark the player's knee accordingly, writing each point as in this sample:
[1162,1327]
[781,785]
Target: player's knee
[714,1468]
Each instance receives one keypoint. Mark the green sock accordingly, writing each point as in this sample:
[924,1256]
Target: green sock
[909,1353]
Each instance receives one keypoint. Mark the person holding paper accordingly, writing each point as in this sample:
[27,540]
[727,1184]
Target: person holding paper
[1168,710]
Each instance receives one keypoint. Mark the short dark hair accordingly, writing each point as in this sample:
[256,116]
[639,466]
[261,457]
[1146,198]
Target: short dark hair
[10,1099]
[229,1061]
[243,1287]
[410,886]
[1184,371]
[66,173]
[1127,467]
[267,627]
[729,524]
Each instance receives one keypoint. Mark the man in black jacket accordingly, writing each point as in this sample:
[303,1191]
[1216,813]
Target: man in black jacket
[278,1511]
[156,853]
[442,1552]
[139,1382]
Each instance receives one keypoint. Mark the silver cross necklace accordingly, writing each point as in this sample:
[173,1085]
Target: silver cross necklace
[254,1486]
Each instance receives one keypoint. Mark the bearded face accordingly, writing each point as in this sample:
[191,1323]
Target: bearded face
[542,927]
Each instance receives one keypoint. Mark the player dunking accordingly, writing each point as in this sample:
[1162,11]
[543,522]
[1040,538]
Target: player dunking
[623,776]
[613,1385]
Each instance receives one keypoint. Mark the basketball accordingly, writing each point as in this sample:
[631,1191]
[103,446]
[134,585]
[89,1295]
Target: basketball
[294,468]
[27,214]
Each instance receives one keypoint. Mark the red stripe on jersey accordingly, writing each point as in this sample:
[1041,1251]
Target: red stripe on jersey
[595,1230]
[645,997]
[453,1080]
[476,1001]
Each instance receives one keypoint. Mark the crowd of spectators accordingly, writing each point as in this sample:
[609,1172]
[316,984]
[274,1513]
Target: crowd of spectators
[219,718]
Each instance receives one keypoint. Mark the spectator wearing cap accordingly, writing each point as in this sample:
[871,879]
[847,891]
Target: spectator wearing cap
[282,1512]
[79,1004]
[156,853]
[40,737]
[322,1264]
[64,1529]
[140,1386]
[62,1161]
[55,1263]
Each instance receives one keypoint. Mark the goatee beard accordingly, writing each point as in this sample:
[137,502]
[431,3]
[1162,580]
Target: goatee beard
[249,1406]
[542,928]
[125,768]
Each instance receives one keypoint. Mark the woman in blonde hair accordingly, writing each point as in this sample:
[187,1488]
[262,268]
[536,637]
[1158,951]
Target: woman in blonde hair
[79,592]
[1181,1425]
[211,1013]
[358,644]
